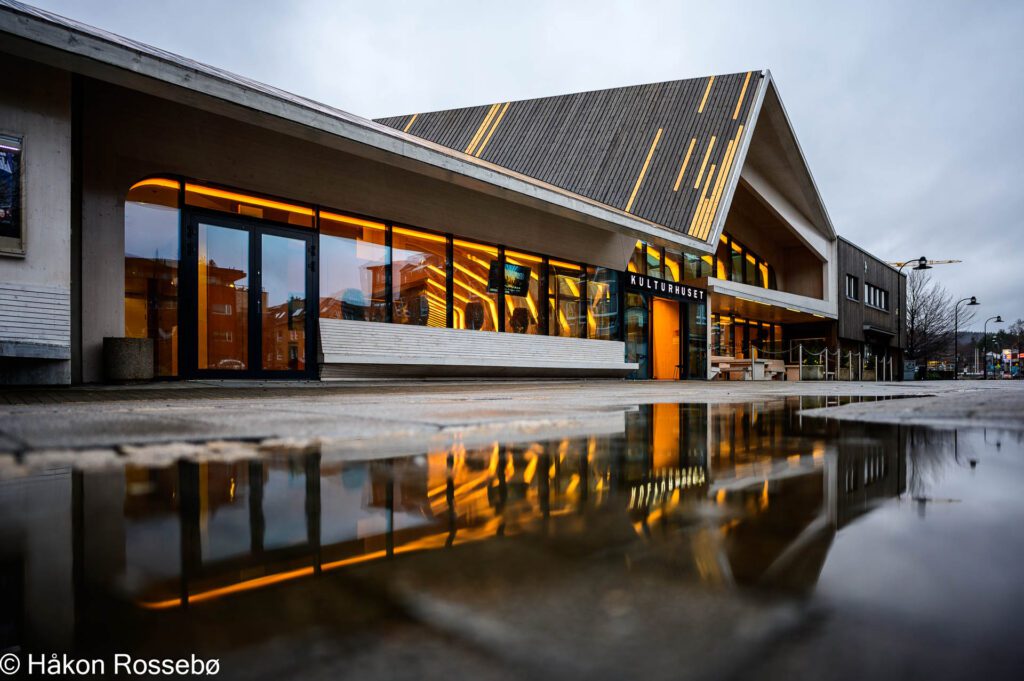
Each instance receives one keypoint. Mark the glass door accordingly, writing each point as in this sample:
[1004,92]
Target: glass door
[246,294]
[637,333]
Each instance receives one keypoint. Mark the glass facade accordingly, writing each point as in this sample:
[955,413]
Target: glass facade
[418,278]
[476,295]
[151,260]
[523,308]
[565,295]
[735,262]
[353,268]
[602,303]
[735,336]
[368,270]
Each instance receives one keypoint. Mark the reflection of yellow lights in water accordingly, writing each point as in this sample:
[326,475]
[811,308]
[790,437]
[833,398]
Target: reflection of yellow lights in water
[460,505]
[720,497]
[764,496]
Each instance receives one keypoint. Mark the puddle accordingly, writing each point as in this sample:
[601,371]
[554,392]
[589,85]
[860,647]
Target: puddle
[743,526]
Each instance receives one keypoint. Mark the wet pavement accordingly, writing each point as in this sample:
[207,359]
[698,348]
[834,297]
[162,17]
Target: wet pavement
[668,540]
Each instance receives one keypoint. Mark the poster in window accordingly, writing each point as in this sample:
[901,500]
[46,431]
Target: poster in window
[10,187]
[517,279]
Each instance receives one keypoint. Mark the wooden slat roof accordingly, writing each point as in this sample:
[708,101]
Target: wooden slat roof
[664,151]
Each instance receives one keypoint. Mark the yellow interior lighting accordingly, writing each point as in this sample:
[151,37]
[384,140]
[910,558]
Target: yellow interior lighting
[490,250]
[674,268]
[157,182]
[522,256]
[564,265]
[350,220]
[245,198]
[419,235]
[472,275]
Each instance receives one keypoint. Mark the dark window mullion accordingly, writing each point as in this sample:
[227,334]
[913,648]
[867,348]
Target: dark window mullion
[388,258]
[449,282]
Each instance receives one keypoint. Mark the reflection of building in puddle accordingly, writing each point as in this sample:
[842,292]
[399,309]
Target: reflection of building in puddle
[738,493]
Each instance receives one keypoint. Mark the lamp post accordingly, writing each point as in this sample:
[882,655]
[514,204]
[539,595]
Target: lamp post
[922,264]
[984,353]
[956,338]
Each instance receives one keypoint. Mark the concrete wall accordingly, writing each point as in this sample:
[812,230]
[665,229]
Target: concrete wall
[127,135]
[798,269]
[35,285]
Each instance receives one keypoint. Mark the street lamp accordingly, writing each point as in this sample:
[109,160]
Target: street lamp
[984,353]
[922,264]
[956,338]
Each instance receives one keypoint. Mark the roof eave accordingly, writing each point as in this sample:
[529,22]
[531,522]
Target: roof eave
[82,48]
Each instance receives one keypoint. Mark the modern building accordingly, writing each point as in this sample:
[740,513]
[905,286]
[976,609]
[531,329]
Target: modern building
[665,231]
[873,295]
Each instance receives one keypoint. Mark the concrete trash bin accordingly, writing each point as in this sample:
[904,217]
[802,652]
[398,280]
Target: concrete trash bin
[127,359]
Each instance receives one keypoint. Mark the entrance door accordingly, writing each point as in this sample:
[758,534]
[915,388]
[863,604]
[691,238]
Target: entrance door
[666,334]
[249,300]
[637,333]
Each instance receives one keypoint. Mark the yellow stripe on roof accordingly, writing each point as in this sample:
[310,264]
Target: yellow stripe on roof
[480,131]
[643,171]
[707,91]
[704,163]
[411,121]
[494,127]
[686,160]
[743,93]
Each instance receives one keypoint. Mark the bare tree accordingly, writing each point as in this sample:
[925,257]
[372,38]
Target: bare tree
[930,319]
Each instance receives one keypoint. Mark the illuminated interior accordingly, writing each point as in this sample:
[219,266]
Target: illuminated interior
[151,261]
[475,305]
[565,294]
[369,270]
[418,278]
[666,329]
[523,312]
[353,268]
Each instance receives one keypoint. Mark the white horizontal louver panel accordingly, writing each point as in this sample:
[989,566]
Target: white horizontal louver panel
[39,314]
[356,342]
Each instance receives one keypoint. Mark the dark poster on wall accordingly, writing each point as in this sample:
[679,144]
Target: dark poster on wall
[10,187]
[517,279]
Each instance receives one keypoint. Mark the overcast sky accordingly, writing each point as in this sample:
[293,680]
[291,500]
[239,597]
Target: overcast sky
[909,113]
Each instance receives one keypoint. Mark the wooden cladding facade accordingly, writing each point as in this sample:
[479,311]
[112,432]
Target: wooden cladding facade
[858,321]
[662,151]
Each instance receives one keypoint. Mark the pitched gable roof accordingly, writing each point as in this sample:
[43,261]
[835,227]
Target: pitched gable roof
[666,152]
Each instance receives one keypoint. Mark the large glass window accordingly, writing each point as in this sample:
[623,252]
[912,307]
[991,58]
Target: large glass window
[736,263]
[697,326]
[523,292]
[636,261]
[418,278]
[10,193]
[565,299]
[602,303]
[673,266]
[475,291]
[151,256]
[353,268]
[223,298]
[654,266]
